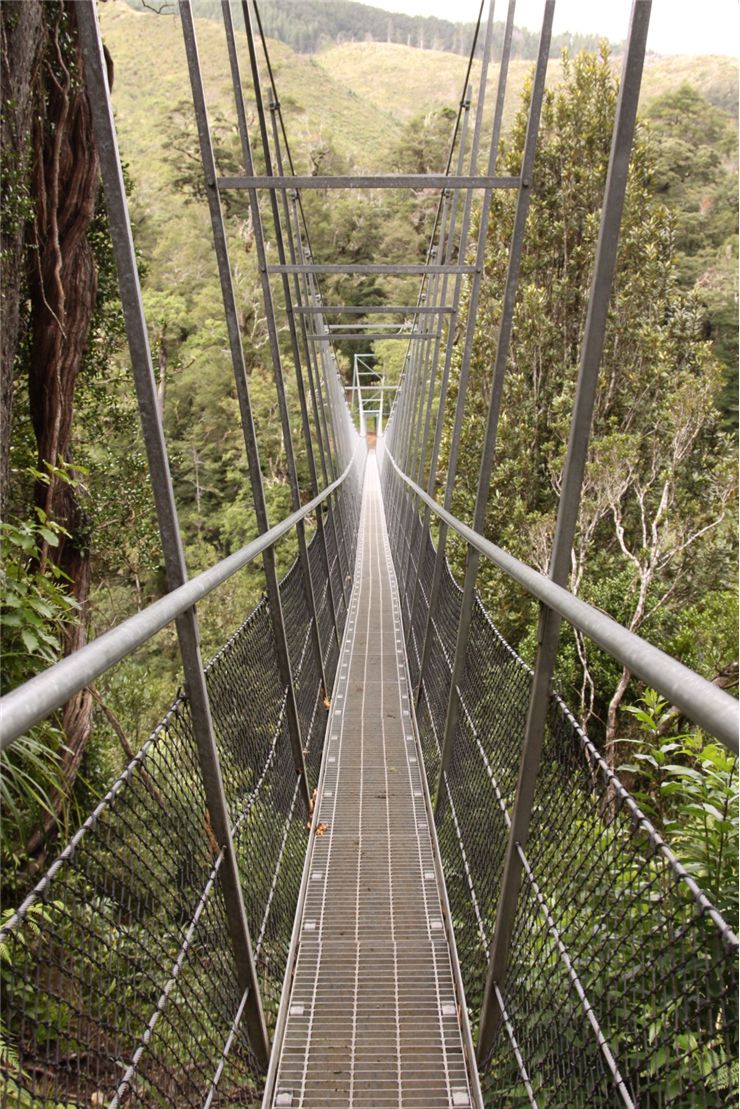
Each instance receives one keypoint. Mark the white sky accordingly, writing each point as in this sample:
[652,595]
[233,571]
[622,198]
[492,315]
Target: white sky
[676,26]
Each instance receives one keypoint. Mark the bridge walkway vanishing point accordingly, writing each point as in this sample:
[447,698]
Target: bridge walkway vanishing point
[204,938]
[372,1017]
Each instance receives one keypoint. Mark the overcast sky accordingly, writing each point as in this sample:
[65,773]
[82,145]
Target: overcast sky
[676,26]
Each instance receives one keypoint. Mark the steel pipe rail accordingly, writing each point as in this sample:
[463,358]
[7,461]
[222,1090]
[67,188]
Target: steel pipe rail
[548,631]
[368,309]
[372,181]
[25,706]
[415,269]
[703,703]
[376,336]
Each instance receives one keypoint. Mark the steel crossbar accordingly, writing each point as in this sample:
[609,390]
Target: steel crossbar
[304,665]
[389,181]
[708,706]
[371,309]
[401,269]
[23,707]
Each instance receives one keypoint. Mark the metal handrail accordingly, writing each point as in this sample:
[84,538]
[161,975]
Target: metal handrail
[702,702]
[35,699]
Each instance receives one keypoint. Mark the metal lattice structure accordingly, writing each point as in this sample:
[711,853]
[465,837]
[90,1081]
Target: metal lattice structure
[449,899]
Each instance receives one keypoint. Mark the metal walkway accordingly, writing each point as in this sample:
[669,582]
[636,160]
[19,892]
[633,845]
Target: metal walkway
[374,1014]
[179,927]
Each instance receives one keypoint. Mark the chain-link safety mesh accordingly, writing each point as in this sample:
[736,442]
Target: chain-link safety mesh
[118,980]
[621,987]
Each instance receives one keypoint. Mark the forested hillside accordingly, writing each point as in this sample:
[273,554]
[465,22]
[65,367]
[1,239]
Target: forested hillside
[310,25]
[367,106]
[656,537]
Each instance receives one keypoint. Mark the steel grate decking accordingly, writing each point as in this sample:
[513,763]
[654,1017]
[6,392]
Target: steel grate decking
[373,1015]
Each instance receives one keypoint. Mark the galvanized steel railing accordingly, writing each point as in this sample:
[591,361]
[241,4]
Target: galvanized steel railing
[600,971]
[146,965]
[620,985]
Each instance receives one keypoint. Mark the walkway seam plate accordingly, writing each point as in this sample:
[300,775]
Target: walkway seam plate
[373,1012]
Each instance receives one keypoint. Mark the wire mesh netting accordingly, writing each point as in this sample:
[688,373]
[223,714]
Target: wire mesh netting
[119,984]
[621,987]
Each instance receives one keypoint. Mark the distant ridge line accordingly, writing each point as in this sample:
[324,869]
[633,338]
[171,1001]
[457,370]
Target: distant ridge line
[307,26]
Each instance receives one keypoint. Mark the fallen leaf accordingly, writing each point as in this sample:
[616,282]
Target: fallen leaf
[321,829]
[327,702]
[216,850]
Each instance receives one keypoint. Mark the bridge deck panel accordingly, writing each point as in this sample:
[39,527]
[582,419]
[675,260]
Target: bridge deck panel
[373,1015]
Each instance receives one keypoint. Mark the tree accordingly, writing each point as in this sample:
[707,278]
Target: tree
[695,173]
[21,38]
[51,309]
[651,534]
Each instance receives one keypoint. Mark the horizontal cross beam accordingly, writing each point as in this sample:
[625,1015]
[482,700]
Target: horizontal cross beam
[371,181]
[370,336]
[356,267]
[354,326]
[368,309]
[367,388]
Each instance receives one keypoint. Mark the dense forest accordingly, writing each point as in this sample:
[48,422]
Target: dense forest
[308,26]
[656,543]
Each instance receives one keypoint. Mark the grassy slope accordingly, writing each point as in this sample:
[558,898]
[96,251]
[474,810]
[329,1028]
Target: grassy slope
[403,81]
[357,95]
[151,77]
[151,80]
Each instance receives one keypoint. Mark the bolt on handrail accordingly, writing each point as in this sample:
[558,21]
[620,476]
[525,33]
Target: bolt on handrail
[705,704]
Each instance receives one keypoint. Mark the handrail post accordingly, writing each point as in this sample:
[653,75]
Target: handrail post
[499,371]
[441,404]
[580,430]
[312,368]
[272,326]
[325,368]
[416,393]
[301,388]
[242,387]
[427,400]
[176,571]
[439,560]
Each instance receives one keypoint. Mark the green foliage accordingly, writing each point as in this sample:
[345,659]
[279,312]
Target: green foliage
[17,205]
[308,25]
[35,607]
[14,1082]
[651,537]
[695,172]
[688,786]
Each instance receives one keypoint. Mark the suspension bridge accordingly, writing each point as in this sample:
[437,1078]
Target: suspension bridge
[368,858]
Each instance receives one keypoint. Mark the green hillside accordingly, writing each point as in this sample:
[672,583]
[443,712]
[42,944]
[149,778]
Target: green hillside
[402,81]
[714,76]
[356,106]
[372,107]
[151,79]
[311,25]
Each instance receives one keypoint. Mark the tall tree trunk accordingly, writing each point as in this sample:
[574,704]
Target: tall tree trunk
[21,38]
[62,279]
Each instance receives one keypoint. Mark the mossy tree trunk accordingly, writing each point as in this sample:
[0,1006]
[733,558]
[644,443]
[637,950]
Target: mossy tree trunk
[62,290]
[22,34]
